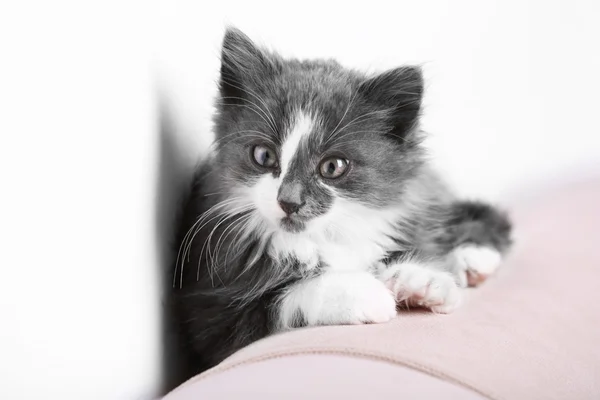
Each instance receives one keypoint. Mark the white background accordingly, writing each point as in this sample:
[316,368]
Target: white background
[512,98]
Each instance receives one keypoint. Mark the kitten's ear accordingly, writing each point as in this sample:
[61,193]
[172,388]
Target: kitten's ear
[400,91]
[242,63]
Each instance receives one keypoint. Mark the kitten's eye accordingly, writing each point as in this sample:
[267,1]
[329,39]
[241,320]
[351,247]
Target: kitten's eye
[264,156]
[333,167]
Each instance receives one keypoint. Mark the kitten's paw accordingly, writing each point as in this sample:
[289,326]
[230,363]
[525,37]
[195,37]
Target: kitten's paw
[425,287]
[352,299]
[476,264]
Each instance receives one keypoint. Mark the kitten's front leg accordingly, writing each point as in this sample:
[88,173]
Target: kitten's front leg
[420,284]
[336,298]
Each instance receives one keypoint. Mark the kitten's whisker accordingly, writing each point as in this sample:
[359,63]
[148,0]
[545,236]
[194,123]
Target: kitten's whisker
[260,134]
[338,139]
[256,96]
[221,242]
[187,241]
[233,213]
[333,132]
[361,118]
[267,118]
[247,137]
[214,208]
[251,109]
[247,214]
[241,229]
[187,245]
[221,213]
[212,266]
[214,193]
[184,240]
[259,108]
[338,145]
[259,250]
[226,216]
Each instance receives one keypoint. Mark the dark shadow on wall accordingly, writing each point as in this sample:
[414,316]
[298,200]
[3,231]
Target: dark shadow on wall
[174,176]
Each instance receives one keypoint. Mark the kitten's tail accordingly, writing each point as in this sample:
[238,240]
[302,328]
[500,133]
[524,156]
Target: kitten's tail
[477,223]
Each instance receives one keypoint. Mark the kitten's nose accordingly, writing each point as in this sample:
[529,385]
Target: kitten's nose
[290,197]
[289,207]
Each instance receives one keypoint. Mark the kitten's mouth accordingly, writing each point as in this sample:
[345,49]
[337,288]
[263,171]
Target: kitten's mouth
[291,224]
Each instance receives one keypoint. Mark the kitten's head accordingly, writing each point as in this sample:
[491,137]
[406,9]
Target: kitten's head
[300,141]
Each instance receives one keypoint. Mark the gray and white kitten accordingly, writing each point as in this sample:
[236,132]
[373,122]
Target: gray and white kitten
[317,207]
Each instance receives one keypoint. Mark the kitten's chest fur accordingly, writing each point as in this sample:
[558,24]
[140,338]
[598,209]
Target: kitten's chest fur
[354,240]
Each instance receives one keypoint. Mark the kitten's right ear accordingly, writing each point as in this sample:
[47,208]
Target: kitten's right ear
[242,63]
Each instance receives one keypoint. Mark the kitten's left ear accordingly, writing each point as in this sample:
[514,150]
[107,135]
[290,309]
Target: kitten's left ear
[400,91]
[243,64]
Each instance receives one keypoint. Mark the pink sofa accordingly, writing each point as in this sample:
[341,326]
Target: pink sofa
[530,332]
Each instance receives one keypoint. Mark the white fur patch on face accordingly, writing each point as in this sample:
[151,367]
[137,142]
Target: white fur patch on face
[264,196]
[302,126]
[264,193]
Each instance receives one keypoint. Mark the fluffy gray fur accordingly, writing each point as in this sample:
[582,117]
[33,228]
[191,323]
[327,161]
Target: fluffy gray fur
[237,273]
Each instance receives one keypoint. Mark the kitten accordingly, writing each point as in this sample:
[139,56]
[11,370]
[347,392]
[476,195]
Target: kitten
[317,207]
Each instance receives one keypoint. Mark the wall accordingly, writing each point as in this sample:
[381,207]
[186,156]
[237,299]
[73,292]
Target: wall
[78,163]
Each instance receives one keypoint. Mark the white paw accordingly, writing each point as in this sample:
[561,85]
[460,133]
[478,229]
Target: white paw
[342,299]
[419,285]
[476,264]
